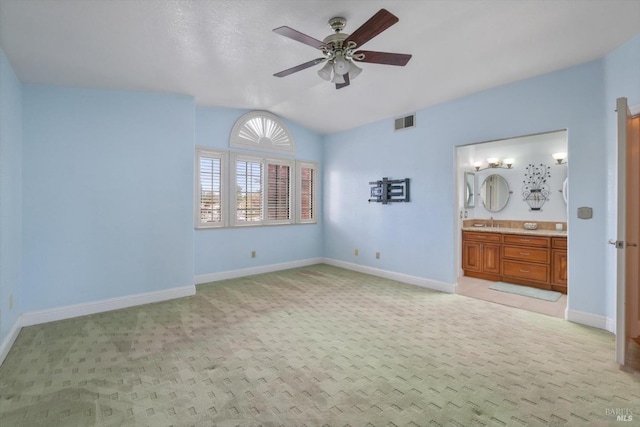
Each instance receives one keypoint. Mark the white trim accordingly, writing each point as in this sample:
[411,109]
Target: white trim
[399,277]
[589,319]
[251,271]
[10,339]
[610,325]
[634,110]
[75,310]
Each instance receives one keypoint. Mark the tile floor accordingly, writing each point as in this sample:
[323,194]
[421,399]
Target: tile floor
[479,288]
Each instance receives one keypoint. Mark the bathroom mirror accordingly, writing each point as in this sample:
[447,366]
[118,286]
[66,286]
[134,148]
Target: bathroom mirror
[494,193]
[469,188]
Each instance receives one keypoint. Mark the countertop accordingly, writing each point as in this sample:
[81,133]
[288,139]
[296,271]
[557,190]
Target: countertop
[505,230]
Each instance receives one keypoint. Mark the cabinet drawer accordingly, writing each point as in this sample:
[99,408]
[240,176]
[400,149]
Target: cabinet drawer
[535,272]
[559,242]
[526,254]
[482,237]
[518,239]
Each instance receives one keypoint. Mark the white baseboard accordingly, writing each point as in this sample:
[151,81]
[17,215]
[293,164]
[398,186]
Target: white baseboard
[69,311]
[10,339]
[589,319]
[251,271]
[398,277]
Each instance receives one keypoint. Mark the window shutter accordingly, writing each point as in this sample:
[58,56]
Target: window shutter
[210,207]
[249,191]
[278,192]
[210,211]
[307,178]
[268,191]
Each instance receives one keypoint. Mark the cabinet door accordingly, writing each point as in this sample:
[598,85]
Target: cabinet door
[491,258]
[559,268]
[471,259]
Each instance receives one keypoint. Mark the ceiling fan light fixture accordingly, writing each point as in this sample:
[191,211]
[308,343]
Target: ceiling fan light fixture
[338,79]
[325,72]
[341,65]
[354,70]
[339,49]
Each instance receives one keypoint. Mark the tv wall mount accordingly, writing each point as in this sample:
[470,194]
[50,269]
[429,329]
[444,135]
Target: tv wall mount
[388,190]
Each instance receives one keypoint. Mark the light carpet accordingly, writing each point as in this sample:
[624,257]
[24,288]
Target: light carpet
[315,346]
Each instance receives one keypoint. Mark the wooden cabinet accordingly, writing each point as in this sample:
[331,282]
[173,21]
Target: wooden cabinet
[559,262]
[481,255]
[538,261]
[526,260]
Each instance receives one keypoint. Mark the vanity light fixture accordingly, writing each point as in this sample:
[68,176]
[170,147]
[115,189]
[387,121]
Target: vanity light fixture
[560,158]
[494,163]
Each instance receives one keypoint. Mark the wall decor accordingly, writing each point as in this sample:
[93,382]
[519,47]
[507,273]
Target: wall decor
[535,190]
[390,190]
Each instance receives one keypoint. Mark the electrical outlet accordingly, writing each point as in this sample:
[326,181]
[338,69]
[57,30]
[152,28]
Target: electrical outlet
[355,252]
[253,254]
[377,255]
[11,302]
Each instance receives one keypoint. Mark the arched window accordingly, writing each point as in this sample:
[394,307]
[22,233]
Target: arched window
[262,131]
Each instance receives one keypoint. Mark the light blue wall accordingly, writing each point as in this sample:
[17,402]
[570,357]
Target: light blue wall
[102,186]
[10,196]
[622,79]
[107,194]
[221,250]
[419,238]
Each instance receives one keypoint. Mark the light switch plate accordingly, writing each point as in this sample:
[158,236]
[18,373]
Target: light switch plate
[585,213]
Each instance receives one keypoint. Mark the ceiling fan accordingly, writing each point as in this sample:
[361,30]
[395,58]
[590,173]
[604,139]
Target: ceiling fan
[339,49]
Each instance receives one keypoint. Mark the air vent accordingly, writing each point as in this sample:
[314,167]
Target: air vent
[405,122]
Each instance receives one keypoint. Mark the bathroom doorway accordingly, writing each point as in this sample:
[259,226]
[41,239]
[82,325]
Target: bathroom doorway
[513,222]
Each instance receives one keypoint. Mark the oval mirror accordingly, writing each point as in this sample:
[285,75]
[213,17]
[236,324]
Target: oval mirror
[494,193]
[469,189]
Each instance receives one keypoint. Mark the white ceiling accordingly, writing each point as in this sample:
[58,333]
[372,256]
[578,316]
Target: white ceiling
[223,52]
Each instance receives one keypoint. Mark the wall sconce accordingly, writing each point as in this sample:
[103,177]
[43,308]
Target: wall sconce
[560,158]
[494,163]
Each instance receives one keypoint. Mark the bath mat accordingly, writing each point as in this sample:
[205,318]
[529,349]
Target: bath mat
[526,291]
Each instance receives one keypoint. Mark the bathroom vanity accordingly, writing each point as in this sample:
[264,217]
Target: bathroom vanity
[535,258]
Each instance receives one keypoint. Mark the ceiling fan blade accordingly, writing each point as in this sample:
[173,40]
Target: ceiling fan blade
[346,82]
[400,59]
[379,22]
[300,37]
[300,67]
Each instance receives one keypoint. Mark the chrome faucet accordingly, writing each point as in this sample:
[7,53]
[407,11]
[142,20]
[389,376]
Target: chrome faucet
[491,222]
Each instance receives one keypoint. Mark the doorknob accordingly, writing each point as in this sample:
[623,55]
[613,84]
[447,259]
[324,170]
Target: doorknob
[619,244]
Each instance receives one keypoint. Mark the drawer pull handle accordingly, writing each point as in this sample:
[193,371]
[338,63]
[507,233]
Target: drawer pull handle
[525,253]
[524,271]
